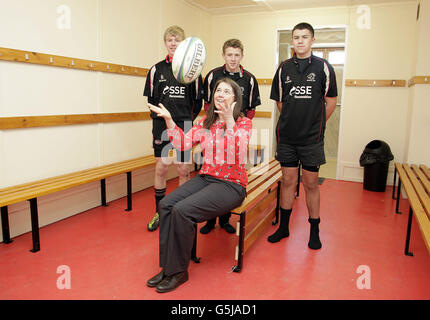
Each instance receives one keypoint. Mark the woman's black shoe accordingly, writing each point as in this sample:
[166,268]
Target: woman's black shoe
[155,280]
[170,283]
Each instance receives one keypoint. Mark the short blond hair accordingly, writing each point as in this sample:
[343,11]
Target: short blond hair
[175,31]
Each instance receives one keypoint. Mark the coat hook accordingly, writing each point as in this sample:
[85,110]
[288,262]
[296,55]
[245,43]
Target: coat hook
[51,60]
[26,56]
[355,83]
[374,83]
[107,67]
[122,68]
[73,62]
[394,82]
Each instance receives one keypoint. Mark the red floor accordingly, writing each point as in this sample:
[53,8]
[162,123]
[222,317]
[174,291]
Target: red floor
[110,255]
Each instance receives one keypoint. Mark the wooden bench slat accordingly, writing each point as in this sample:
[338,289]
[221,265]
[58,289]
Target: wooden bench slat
[422,194]
[425,170]
[72,180]
[254,172]
[68,175]
[85,174]
[425,181]
[420,214]
[252,198]
[260,179]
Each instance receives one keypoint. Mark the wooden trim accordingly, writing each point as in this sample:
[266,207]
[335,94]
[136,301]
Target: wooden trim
[62,120]
[265,81]
[7,123]
[14,55]
[263,114]
[374,83]
[419,80]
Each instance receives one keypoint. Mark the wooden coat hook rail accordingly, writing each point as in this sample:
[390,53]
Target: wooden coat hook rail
[7,54]
[375,83]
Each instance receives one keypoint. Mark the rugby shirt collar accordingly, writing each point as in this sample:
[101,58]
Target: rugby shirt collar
[228,72]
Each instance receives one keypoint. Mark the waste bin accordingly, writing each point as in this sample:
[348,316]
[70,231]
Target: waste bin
[375,160]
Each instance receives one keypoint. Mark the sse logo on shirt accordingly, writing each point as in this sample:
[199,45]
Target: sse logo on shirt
[301,92]
[174,91]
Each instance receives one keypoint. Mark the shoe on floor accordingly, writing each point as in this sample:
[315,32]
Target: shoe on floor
[229,228]
[155,280]
[170,283]
[207,228]
[153,224]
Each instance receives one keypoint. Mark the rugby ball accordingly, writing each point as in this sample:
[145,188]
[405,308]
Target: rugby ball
[189,60]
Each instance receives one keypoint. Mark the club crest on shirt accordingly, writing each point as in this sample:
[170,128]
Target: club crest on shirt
[288,80]
[311,77]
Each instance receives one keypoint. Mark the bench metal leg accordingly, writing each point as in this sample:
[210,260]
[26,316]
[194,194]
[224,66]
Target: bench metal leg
[239,265]
[34,225]
[103,192]
[194,250]
[394,183]
[408,234]
[399,187]
[129,192]
[5,225]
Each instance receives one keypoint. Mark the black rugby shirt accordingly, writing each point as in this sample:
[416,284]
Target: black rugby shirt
[246,81]
[302,92]
[184,101]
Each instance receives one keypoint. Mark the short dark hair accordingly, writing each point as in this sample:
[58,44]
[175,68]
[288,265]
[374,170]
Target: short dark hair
[304,25]
[232,43]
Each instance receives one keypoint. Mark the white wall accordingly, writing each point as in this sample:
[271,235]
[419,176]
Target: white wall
[131,33]
[417,150]
[375,53]
[126,32]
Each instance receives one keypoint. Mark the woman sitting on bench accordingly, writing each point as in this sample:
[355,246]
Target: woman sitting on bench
[219,187]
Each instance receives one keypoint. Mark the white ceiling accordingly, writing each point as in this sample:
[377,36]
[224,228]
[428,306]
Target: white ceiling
[219,7]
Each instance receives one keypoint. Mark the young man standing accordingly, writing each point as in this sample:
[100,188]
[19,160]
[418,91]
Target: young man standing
[232,53]
[304,88]
[184,102]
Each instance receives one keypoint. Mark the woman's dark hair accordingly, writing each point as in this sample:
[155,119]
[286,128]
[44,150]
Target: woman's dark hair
[212,116]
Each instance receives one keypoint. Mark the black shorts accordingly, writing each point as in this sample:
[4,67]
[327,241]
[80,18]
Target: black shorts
[310,156]
[161,143]
[162,148]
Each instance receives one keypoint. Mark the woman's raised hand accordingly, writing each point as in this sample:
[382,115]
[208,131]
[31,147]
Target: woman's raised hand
[162,112]
[225,113]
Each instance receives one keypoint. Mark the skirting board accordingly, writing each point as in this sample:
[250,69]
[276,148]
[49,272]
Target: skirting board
[352,171]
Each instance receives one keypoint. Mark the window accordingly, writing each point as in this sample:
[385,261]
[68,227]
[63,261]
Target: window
[335,56]
[318,53]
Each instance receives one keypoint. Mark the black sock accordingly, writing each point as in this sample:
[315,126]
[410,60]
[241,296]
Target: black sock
[283,230]
[159,194]
[314,238]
